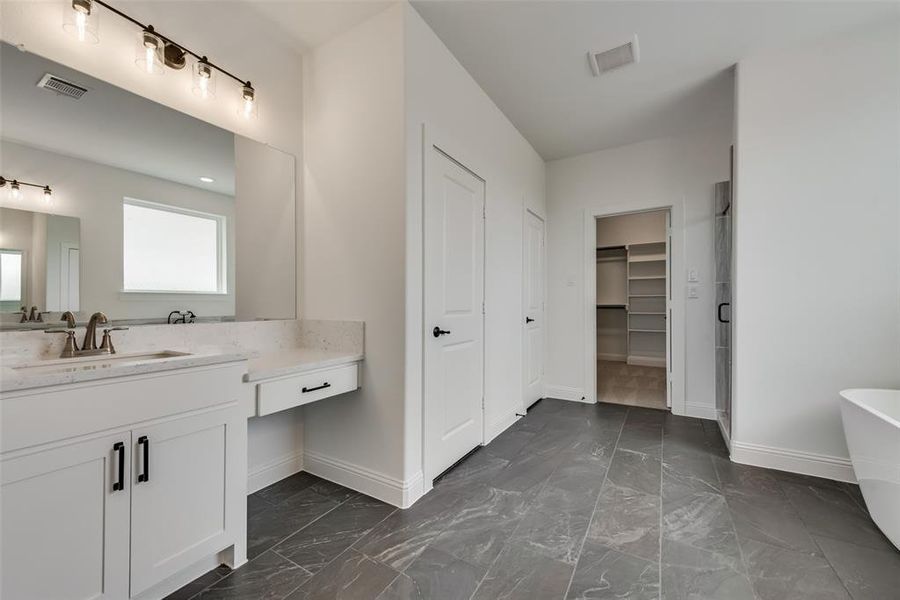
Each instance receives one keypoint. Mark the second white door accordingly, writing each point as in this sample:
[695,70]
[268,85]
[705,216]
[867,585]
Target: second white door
[533,303]
[453,310]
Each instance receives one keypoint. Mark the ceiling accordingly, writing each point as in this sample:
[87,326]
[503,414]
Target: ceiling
[531,59]
[110,126]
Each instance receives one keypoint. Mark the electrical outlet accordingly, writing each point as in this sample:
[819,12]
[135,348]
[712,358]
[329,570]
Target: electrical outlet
[693,292]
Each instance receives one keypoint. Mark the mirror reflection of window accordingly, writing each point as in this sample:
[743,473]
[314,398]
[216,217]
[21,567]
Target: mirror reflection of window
[170,249]
[10,280]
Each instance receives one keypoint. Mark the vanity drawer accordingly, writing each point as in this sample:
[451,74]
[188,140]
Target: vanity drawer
[288,392]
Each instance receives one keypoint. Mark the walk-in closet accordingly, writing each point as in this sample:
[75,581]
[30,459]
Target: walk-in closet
[632,309]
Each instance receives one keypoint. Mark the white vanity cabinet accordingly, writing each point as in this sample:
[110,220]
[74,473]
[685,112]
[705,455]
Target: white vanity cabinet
[146,478]
[65,529]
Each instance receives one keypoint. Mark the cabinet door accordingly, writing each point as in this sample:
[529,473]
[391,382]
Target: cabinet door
[178,502]
[65,522]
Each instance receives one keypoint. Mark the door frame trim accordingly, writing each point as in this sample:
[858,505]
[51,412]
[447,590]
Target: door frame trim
[525,212]
[443,145]
[677,326]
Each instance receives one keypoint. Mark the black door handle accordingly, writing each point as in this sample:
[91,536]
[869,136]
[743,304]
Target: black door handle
[145,475]
[528,320]
[306,390]
[438,332]
[119,449]
[719,312]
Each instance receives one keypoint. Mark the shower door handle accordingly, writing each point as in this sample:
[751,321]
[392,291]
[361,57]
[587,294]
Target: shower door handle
[719,312]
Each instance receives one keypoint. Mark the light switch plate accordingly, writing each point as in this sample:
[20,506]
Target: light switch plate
[693,277]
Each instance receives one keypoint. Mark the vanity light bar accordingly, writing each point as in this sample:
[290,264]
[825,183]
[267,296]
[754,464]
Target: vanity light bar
[155,50]
[15,185]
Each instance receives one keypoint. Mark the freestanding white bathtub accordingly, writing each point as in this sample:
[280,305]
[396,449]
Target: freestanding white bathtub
[872,427]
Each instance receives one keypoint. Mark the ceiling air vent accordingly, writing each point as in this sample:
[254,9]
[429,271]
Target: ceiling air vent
[614,58]
[61,86]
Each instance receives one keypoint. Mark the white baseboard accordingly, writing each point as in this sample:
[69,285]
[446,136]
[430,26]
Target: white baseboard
[274,471]
[613,357]
[647,361]
[724,431]
[793,461]
[499,426]
[387,489]
[564,392]
[701,411]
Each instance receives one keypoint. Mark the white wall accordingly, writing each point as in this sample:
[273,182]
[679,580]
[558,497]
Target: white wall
[462,119]
[817,244]
[265,231]
[673,171]
[354,243]
[58,230]
[93,193]
[637,228]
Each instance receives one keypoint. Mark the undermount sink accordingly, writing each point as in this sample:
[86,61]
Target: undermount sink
[91,363]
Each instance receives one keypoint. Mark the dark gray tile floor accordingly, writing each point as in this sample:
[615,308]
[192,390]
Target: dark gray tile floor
[573,501]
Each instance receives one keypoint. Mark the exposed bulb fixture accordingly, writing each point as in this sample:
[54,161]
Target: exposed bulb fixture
[206,179]
[15,188]
[204,79]
[249,108]
[82,22]
[147,56]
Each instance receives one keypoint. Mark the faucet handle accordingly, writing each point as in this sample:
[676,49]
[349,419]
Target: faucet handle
[71,346]
[106,343]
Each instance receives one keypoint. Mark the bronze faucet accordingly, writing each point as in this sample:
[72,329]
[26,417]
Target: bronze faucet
[69,318]
[90,332]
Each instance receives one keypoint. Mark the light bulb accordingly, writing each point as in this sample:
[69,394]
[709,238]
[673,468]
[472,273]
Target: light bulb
[48,195]
[14,192]
[204,79]
[147,54]
[81,21]
[249,108]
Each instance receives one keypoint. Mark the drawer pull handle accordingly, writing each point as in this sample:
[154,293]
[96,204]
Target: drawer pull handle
[145,476]
[306,390]
[119,448]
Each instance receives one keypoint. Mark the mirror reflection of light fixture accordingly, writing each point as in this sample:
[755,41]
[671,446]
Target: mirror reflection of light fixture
[15,187]
[147,55]
[204,79]
[249,108]
[155,52]
[81,21]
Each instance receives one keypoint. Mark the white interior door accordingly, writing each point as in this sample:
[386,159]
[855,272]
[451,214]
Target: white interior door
[69,277]
[453,312]
[533,303]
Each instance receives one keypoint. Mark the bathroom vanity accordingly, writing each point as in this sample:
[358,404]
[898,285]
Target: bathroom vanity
[123,481]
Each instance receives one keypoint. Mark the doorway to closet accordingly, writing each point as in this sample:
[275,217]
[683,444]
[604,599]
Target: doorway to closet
[633,309]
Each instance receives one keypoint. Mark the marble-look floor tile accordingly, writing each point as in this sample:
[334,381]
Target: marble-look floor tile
[686,474]
[403,536]
[351,576]
[509,443]
[267,577]
[287,487]
[689,573]
[556,524]
[832,512]
[436,574]
[867,574]
[479,530]
[201,583]
[645,438]
[782,574]
[702,521]
[316,545]
[605,573]
[481,468]
[522,574]
[640,472]
[768,518]
[268,524]
[628,521]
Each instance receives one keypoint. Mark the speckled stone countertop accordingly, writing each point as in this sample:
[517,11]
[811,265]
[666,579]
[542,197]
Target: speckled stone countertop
[77,370]
[299,360]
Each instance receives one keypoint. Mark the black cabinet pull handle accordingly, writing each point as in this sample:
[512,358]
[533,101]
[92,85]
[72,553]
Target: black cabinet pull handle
[528,320]
[306,390]
[119,449]
[719,312]
[438,332]
[145,475]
